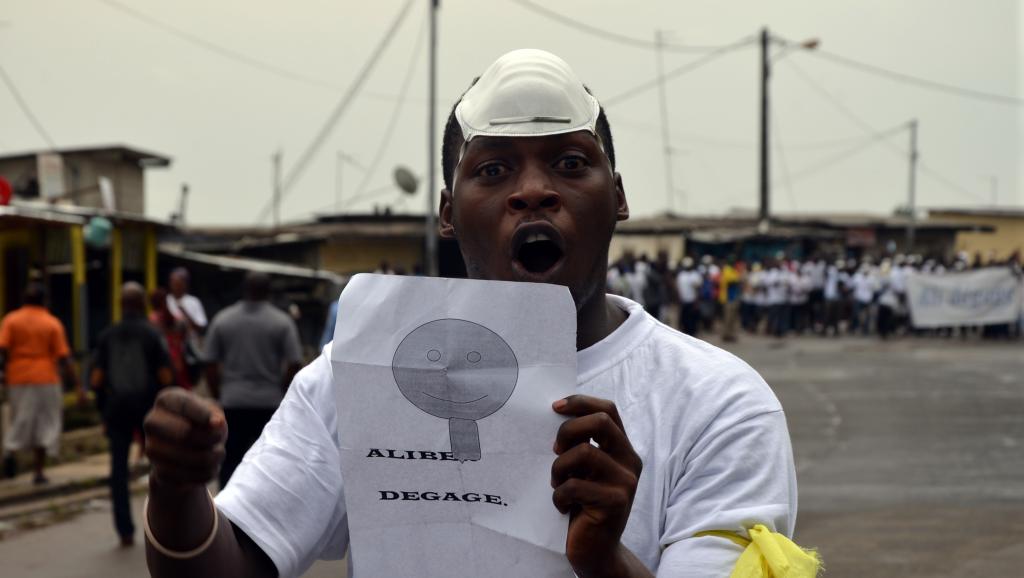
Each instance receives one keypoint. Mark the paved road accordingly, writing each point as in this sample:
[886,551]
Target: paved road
[910,458]
[910,454]
[86,547]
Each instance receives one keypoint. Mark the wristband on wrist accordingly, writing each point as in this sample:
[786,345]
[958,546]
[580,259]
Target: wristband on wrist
[175,554]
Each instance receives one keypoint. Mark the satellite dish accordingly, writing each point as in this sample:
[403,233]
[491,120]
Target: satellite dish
[406,180]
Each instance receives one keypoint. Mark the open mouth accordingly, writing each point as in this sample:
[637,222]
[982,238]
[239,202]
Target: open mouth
[537,248]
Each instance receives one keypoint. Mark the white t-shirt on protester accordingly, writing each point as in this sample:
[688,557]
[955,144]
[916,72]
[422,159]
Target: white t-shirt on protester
[192,306]
[711,434]
[863,287]
[687,284]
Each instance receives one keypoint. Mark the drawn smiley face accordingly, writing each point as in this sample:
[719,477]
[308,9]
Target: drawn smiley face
[452,368]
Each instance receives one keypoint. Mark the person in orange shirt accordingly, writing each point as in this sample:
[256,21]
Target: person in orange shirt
[32,349]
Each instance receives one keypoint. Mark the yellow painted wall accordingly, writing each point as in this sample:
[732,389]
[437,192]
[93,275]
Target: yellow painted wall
[649,244]
[1007,237]
[348,256]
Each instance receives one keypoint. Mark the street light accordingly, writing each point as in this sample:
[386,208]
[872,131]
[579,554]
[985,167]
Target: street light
[764,214]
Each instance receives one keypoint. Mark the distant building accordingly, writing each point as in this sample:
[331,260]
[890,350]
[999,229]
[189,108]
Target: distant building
[342,244]
[82,255]
[73,175]
[1006,236]
[77,223]
[798,236]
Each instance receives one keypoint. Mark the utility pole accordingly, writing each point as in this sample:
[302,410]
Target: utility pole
[277,188]
[665,139]
[764,214]
[912,189]
[430,265]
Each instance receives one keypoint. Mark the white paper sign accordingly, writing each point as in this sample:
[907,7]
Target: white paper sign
[982,297]
[444,392]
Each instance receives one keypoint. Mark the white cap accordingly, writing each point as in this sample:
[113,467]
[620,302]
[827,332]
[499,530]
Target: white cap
[527,92]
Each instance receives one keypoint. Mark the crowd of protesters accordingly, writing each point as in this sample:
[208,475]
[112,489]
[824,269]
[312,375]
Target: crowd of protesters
[787,296]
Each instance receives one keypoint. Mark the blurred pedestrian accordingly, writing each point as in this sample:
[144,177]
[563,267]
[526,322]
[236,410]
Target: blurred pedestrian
[752,299]
[189,309]
[888,301]
[729,289]
[656,286]
[800,286]
[863,284]
[836,281]
[777,298]
[130,365]
[32,349]
[184,305]
[175,334]
[815,271]
[252,353]
[688,283]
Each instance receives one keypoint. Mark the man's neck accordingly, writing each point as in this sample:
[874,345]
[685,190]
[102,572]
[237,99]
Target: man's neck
[597,319]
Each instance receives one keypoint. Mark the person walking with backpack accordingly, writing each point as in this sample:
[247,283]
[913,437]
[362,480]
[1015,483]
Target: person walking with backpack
[129,367]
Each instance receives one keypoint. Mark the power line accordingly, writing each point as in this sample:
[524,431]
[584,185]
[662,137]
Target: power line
[677,72]
[372,193]
[777,141]
[843,155]
[916,80]
[722,142]
[393,119]
[23,105]
[866,127]
[236,55]
[216,48]
[608,34]
[300,166]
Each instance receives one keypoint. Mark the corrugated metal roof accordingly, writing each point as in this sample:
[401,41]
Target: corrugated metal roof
[244,264]
[70,214]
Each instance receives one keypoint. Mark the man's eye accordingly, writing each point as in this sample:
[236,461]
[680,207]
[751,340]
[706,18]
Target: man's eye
[491,170]
[572,163]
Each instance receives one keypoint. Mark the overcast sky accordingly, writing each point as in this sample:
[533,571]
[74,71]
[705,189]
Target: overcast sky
[93,74]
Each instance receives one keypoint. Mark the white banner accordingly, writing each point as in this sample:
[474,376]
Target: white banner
[982,297]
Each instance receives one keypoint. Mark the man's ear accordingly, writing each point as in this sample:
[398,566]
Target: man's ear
[622,210]
[445,227]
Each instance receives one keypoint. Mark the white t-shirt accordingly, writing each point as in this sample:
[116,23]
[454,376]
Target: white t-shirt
[799,287]
[863,287]
[775,282]
[835,281]
[712,436]
[191,304]
[637,281]
[687,283]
